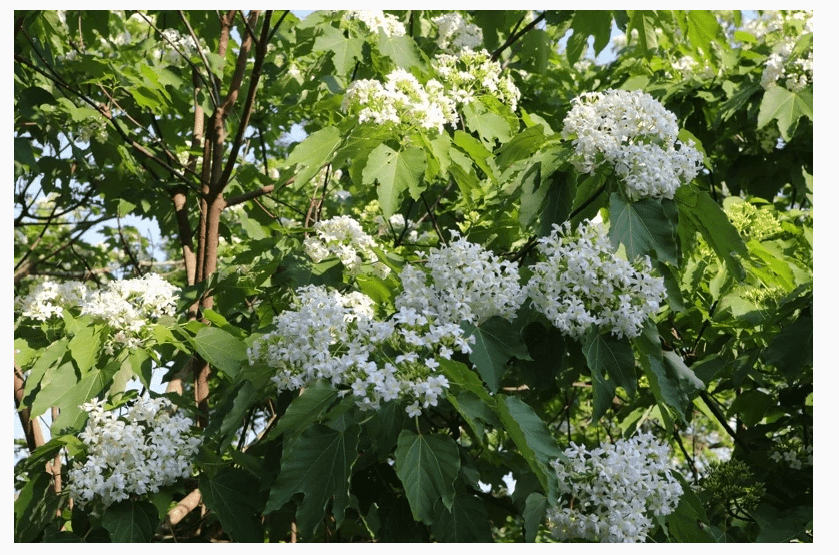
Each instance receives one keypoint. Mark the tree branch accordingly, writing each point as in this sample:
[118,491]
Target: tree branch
[516,36]
[31,428]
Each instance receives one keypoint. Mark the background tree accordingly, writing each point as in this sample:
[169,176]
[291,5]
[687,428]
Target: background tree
[479,254]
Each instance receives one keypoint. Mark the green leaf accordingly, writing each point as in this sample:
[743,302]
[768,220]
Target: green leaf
[84,347]
[487,124]
[427,466]
[520,147]
[232,494]
[672,381]
[497,342]
[786,107]
[791,351]
[530,434]
[750,407]
[131,521]
[61,380]
[35,507]
[477,152]
[645,22]
[585,24]
[466,522]
[688,522]
[222,350]
[642,227]
[699,212]
[312,154]
[305,409]
[38,374]
[535,441]
[535,509]
[402,50]
[606,353]
[395,172]
[345,52]
[703,29]
[318,465]
[92,385]
[783,525]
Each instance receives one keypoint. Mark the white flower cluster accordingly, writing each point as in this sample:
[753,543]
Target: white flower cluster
[135,454]
[609,493]
[793,455]
[377,20]
[473,73]
[343,237]
[455,34]
[175,45]
[335,337]
[637,135]
[583,283]
[779,22]
[405,103]
[402,101]
[687,66]
[467,283]
[127,306]
[796,74]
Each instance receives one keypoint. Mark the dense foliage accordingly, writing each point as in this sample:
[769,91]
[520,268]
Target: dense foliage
[424,276]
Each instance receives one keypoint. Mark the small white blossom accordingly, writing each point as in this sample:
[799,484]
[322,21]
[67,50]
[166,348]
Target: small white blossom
[638,136]
[137,453]
[609,494]
[455,34]
[582,284]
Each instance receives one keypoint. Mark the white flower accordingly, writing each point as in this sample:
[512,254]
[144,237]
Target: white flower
[635,133]
[129,307]
[582,283]
[137,453]
[343,237]
[608,494]
[377,20]
[455,34]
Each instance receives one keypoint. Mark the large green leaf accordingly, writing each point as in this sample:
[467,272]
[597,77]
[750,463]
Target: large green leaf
[497,342]
[466,522]
[345,52]
[313,153]
[645,22]
[530,434]
[427,466]
[791,351]
[703,29]
[35,507]
[642,227]
[93,384]
[487,124]
[48,359]
[305,409]
[535,508]
[131,521]
[586,23]
[688,523]
[85,347]
[232,494]
[61,380]
[787,107]
[394,172]
[221,349]
[606,353]
[402,50]
[699,212]
[318,465]
[477,152]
